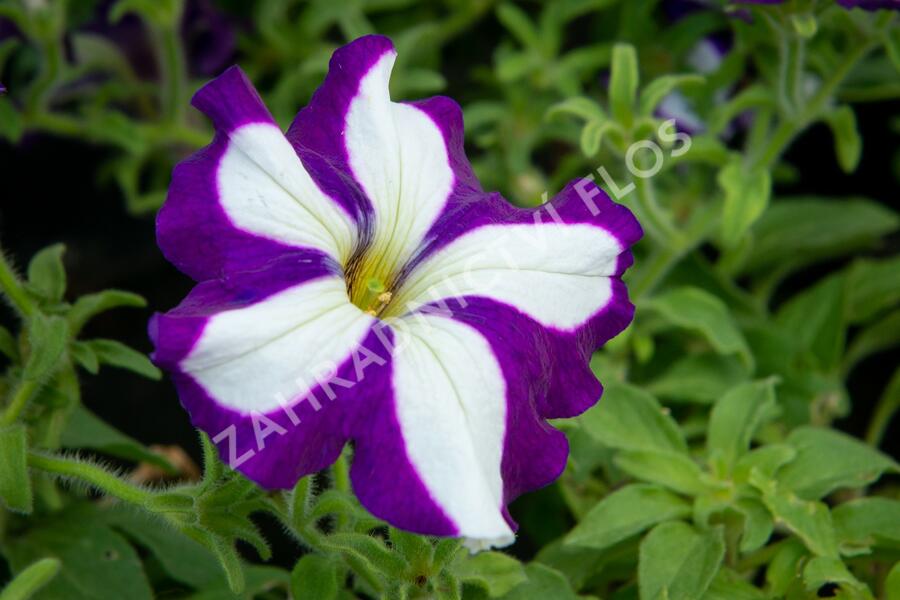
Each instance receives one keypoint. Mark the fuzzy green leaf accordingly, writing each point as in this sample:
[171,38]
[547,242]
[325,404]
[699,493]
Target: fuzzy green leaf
[28,582]
[678,562]
[629,418]
[627,512]
[746,197]
[623,83]
[847,141]
[15,483]
[314,578]
[868,522]
[828,460]
[48,337]
[117,354]
[494,572]
[46,273]
[735,419]
[698,310]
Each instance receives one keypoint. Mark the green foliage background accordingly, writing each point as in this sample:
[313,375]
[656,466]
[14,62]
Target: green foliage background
[711,468]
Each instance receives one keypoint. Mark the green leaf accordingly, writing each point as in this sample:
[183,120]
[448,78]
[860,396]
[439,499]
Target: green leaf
[873,286]
[90,305]
[783,570]
[11,123]
[516,21]
[371,550]
[746,198]
[661,87]
[15,484]
[728,585]
[809,520]
[48,337]
[735,419]
[892,581]
[86,430]
[847,142]
[821,570]
[804,230]
[815,319]
[117,354]
[182,558]
[494,572]
[85,356]
[579,106]
[758,524]
[623,83]
[629,418]
[46,273]
[674,471]
[765,460]
[883,334]
[314,578]
[96,561]
[8,344]
[868,522]
[828,460]
[543,582]
[697,310]
[677,562]
[28,582]
[627,512]
[703,378]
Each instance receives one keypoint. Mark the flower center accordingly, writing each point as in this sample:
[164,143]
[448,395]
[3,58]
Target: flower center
[369,284]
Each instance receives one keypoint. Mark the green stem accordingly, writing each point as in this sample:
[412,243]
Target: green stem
[99,478]
[884,412]
[24,392]
[11,286]
[173,72]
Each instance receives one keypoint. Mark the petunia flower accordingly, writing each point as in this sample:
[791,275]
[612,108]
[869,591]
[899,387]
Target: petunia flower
[356,284]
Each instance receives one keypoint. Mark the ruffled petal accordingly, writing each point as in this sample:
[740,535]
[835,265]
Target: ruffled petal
[247,198]
[255,358]
[449,402]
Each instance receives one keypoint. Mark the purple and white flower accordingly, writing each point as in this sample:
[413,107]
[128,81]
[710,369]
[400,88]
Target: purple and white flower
[356,284]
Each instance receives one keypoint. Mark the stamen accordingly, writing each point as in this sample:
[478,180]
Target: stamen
[375,297]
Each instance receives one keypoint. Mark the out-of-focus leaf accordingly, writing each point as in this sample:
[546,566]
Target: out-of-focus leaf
[494,572]
[784,569]
[868,522]
[815,319]
[86,430]
[728,585]
[627,512]
[765,460]
[48,337]
[822,570]
[11,125]
[90,305]
[746,197]
[629,418]
[85,356]
[881,335]
[678,562]
[46,273]
[804,230]
[623,83]
[314,578]
[701,378]
[32,579]
[674,471]
[892,581]
[810,520]
[117,354]
[828,460]
[182,558]
[697,310]
[758,524]
[579,106]
[847,141]
[543,582]
[662,86]
[15,484]
[8,344]
[735,419]
[873,286]
[96,561]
